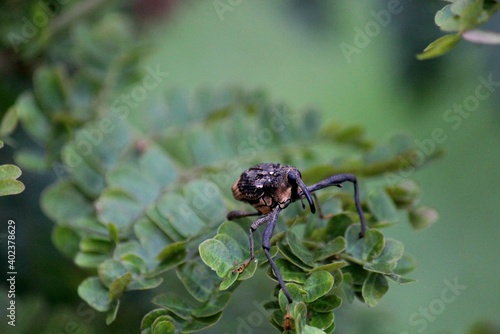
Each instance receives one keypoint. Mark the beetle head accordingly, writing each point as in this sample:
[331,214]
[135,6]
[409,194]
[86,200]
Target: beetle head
[295,180]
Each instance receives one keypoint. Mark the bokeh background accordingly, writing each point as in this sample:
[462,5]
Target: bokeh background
[311,54]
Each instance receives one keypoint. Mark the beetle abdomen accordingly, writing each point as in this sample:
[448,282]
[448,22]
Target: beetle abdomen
[255,186]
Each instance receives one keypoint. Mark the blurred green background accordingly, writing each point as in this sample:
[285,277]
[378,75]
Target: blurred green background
[295,51]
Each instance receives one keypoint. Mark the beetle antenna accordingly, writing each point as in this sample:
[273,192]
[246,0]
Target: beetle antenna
[303,205]
[307,194]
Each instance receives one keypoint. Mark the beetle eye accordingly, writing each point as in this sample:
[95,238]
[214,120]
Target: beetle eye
[292,178]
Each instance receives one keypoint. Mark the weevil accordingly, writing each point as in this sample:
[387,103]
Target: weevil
[270,188]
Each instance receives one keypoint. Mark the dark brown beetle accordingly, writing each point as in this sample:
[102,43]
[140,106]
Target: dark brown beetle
[271,187]
[267,185]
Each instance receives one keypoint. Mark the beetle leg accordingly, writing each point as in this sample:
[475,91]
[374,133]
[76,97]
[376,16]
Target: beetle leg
[266,244]
[241,214]
[337,180]
[253,228]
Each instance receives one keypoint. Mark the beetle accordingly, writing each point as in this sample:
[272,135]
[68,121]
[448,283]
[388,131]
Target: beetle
[270,188]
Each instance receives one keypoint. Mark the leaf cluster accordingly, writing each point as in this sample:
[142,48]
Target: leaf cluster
[9,174]
[461,18]
[322,261]
[142,191]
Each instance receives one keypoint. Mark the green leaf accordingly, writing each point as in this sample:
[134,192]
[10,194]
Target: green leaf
[311,330]
[164,327]
[113,233]
[156,164]
[382,207]
[392,252]
[150,236]
[84,173]
[295,290]
[347,287]
[163,324]
[289,255]
[150,317]
[289,272]
[422,217]
[216,255]
[163,224]
[89,225]
[117,207]
[330,249]
[141,283]
[90,260]
[216,304]
[135,263]
[179,306]
[229,280]
[8,122]
[386,261]
[91,245]
[63,202]
[134,182]
[317,285]
[439,47]
[298,249]
[110,270]
[205,199]
[400,280]
[197,324]
[9,172]
[299,315]
[250,269]
[10,186]
[236,251]
[321,320]
[95,294]
[374,288]
[236,232]
[34,161]
[337,226]
[382,268]
[66,240]
[179,214]
[31,117]
[330,267]
[50,88]
[127,248]
[406,264]
[119,285]
[325,304]
[337,277]
[113,311]
[404,194]
[198,279]
[172,255]
[366,248]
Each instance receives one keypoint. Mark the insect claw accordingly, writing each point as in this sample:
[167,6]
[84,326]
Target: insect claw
[287,319]
[242,267]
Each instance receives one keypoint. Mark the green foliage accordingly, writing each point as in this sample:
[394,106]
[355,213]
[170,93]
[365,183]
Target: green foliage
[9,185]
[64,98]
[136,206]
[461,18]
[144,189]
